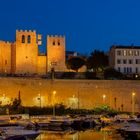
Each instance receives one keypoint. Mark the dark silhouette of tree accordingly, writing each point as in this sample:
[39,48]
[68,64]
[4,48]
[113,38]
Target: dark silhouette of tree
[111,73]
[75,63]
[17,102]
[97,61]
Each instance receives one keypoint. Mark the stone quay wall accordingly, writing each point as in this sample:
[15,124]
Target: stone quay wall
[72,93]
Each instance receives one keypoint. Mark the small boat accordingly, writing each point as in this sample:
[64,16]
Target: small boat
[42,123]
[129,130]
[9,132]
[16,138]
[61,122]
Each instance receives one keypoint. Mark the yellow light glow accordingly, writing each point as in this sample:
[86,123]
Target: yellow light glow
[133,93]
[54,92]
[104,96]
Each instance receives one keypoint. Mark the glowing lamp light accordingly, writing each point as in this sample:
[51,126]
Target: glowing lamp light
[54,92]
[133,93]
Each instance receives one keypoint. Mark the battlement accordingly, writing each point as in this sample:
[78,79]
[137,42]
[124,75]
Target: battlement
[56,36]
[29,31]
[5,42]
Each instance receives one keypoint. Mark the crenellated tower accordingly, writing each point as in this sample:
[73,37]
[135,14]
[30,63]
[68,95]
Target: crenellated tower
[56,53]
[5,57]
[26,52]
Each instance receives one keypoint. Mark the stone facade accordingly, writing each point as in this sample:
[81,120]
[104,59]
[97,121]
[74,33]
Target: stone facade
[89,93]
[56,53]
[5,57]
[22,56]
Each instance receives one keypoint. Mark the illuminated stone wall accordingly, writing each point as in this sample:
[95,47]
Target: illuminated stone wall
[41,66]
[5,57]
[56,53]
[22,56]
[26,53]
[88,92]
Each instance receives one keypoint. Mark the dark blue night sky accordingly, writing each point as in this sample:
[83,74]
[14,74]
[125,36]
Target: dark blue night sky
[87,24]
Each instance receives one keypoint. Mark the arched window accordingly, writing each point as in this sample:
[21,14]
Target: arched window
[29,39]
[23,38]
[53,43]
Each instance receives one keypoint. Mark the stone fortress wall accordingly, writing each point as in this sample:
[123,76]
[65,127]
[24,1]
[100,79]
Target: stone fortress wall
[89,93]
[23,57]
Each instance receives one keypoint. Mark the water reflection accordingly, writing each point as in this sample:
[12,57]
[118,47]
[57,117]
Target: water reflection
[79,135]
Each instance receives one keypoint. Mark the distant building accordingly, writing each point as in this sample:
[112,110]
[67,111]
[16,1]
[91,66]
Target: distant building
[23,57]
[125,59]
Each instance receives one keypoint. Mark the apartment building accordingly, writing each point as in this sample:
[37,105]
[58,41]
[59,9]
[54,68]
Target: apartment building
[125,59]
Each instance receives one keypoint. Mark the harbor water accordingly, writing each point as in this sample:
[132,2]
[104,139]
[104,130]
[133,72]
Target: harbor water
[90,134]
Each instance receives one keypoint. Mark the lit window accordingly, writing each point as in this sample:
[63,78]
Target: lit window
[29,39]
[53,63]
[129,52]
[136,53]
[23,38]
[124,52]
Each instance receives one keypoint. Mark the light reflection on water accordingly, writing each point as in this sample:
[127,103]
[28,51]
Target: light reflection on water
[79,135]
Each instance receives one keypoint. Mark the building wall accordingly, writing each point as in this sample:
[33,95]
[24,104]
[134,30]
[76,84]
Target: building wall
[128,54]
[26,53]
[56,53]
[127,68]
[5,57]
[112,57]
[41,66]
[88,92]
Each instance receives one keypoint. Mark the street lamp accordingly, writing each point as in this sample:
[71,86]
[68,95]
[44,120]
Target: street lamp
[133,102]
[39,98]
[54,92]
[104,97]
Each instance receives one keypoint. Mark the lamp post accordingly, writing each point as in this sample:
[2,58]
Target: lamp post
[78,99]
[104,98]
[40,100]
[54,92]
[115,102]
[133,102]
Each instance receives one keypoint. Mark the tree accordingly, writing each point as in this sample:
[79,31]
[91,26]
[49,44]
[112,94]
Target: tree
[16,104]
[75,63]
[97,61]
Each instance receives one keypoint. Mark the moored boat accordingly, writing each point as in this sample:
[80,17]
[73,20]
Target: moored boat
[7,132]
